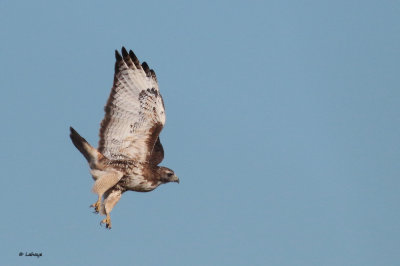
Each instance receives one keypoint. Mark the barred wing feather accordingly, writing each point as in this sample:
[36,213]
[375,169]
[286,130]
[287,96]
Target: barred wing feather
[135,113]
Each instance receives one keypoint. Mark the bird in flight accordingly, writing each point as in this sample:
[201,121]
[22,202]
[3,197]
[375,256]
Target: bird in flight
[129,147]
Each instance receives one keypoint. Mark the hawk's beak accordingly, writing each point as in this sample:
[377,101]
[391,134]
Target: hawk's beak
[175,179]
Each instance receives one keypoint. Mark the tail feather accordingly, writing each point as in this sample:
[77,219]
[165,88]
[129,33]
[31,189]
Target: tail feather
[91,154]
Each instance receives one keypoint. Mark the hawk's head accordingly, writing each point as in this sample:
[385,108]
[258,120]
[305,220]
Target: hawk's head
[167,175]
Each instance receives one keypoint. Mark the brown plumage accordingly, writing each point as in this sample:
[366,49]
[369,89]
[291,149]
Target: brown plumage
[129,147]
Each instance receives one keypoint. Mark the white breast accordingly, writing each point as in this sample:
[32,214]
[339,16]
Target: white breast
[138,183]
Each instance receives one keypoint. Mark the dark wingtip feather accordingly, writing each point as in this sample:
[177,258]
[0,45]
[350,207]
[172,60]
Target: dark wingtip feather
[117,56]
[145,66]
[153,74]
[134,59]
[124,52]
[132,54]
[146,69]
[127,59]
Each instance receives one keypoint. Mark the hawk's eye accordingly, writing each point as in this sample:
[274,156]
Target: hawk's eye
[170,174]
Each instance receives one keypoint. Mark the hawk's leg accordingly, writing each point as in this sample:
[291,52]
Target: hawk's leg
[104,181]
[110,200]
[96,205]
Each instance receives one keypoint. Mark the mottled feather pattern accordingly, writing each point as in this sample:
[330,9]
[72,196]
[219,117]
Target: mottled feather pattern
[135,111]
[129,148]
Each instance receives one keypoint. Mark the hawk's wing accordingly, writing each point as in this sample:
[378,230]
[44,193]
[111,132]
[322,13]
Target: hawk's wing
[135,113]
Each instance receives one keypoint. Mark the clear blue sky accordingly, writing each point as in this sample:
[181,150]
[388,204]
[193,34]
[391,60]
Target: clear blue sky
[283,124]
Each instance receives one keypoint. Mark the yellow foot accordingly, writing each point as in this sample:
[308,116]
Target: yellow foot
[107,221]
[96,206]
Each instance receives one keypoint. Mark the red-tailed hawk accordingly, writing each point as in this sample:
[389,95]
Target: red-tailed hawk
[129,148]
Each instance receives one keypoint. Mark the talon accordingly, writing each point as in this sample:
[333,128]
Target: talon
[96,206]
[106,221]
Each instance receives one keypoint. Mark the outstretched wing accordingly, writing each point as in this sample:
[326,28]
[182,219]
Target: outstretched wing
[135,113]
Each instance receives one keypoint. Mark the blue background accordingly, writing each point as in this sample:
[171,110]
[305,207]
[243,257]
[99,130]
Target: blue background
[283,124]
